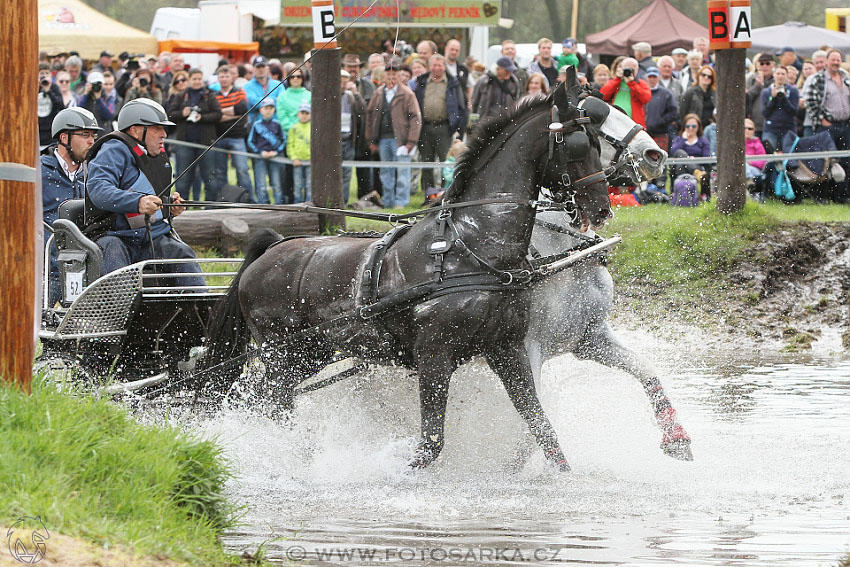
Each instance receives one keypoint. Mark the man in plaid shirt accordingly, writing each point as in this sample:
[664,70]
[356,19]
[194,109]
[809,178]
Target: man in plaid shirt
[828,105]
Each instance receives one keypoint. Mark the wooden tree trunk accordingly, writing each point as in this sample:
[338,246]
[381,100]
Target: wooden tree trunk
[731,108]
[20,201]
[227,230]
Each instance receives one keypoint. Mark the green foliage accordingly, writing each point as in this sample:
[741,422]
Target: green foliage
[597,15]
[90,470]
[134,13]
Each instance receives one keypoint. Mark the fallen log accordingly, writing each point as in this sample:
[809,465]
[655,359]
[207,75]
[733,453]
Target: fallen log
[227,230]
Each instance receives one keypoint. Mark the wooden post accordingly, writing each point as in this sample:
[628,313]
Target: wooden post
[325,138]
[731,107]
[325,141]
[20,194]
[574,22]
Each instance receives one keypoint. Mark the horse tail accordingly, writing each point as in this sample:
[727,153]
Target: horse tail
[227,331]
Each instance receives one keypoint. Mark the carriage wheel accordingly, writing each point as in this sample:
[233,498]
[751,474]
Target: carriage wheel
[66,371]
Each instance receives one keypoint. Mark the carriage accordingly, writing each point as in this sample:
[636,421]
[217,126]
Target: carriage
[130,325]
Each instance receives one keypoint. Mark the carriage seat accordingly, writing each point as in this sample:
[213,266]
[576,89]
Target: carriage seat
[80,259]
[73,210]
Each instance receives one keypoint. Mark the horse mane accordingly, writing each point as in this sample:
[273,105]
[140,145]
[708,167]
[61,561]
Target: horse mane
[487,131]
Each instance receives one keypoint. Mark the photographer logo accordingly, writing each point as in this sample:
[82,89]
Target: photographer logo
[28,545]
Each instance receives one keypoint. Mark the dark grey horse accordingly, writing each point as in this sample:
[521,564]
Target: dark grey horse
[313,285]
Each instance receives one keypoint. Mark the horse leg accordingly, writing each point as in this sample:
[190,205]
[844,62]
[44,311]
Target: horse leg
[602,346]
[525,446]
[511,364]
[435,372]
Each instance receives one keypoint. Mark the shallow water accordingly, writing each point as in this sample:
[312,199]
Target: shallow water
[770,483]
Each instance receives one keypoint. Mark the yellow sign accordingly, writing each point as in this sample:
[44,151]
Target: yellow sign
[432,13]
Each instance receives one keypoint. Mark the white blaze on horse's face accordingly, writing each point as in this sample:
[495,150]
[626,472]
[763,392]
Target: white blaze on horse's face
[650,157]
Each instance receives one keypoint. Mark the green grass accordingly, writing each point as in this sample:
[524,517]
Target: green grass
[90,470]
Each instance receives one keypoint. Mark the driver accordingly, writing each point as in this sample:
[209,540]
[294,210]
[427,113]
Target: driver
[73,131]
[128,171]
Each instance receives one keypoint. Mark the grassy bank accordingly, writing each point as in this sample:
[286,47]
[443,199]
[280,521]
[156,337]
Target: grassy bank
[686,251]
[89,470]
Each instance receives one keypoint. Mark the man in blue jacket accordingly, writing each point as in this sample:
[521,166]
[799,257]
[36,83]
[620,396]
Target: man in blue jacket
[128,172]
[443,106]
[74,131]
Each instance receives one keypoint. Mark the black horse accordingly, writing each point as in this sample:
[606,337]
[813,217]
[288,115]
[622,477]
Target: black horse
[470,261]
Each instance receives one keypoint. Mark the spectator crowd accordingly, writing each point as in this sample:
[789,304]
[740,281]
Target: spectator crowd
[402,105]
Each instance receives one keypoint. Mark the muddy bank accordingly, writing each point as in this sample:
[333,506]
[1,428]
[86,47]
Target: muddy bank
[789,289]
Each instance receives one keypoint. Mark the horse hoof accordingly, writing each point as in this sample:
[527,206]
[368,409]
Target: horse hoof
[557,459]
[424,456]
[562,466]
[680,449]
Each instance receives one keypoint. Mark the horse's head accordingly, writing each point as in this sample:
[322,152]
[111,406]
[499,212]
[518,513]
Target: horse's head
[573,170]
[622,135]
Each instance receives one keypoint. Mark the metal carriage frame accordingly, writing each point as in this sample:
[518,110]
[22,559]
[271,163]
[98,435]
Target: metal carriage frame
[127,330]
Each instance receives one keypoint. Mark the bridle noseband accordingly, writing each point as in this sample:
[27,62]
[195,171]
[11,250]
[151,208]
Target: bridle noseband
[623,157]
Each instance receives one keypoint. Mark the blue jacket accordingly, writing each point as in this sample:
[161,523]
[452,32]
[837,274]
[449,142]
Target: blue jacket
[116,185]
[56,188]
[455,103]
[266,136]
[661,111]
[780,113]
[255,92]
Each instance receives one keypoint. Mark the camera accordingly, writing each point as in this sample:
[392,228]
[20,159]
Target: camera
[45,81]
[143,82]
[627,72]
[95,87]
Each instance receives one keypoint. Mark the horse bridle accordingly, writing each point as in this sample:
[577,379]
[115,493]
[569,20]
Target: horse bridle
[559,134]
[623,157]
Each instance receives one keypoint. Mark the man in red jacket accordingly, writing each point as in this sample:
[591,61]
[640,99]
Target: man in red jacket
[627,91]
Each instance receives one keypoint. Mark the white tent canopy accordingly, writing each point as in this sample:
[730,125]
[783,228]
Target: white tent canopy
[805,39]
[71,25]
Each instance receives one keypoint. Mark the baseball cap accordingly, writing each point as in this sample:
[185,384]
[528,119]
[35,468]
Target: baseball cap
[653,72]
[563,68]
[786,49]
[680,51]
[106,54]
[94,77]
[642,46]
[765,57]
[304,107]
[569,42]
[266,102]
[505,63]
[259,61]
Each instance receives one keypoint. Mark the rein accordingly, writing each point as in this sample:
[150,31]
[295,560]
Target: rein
[388,217]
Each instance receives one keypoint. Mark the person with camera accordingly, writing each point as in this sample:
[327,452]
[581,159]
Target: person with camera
[73,131]
[104,105]
[49,104]
[128,174]
[144,86]
[127,72]
[196,113]
[779,104]
[628,92]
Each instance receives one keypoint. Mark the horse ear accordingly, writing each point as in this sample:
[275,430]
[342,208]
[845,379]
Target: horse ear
[562,100]
[573,86]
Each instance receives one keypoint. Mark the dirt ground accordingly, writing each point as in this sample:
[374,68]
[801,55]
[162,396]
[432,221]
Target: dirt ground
[64,551]
[787,290]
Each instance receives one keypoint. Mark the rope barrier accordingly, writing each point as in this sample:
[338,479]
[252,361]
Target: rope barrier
[423,165]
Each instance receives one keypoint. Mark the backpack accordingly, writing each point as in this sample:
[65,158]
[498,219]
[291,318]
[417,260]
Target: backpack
[685,191]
